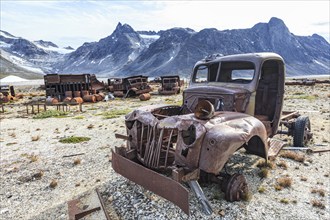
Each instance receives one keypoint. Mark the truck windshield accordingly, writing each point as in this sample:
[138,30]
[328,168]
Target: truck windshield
[229,72]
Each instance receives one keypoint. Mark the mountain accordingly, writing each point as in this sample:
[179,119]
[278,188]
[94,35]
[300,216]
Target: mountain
[108,55]
[175,51]
[128,52]
[32,59]
[13,65]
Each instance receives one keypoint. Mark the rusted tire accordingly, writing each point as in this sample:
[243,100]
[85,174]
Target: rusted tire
[236,188]
[301,132]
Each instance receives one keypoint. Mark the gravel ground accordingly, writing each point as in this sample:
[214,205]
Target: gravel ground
[32,160]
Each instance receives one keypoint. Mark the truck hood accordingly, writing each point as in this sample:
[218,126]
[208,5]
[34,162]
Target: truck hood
[222,98]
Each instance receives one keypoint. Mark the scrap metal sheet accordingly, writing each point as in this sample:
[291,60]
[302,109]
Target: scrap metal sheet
[153,181]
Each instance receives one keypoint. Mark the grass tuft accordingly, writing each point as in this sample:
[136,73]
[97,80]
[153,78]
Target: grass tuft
[303,178]
[278,187]
[293,156]
[115,113]
[321,192]
[74,139]
[77,161]
[263,164]
[318,204]
[263,172]
[284,200]
[38,175]
[283,165]
[261,189]
[79,117]
[247,196]
[284,182]
[53,184]
[50,114]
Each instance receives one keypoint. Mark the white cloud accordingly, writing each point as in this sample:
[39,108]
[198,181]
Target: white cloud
[59,21]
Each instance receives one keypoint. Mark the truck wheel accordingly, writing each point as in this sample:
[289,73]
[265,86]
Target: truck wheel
[301,132]
[235,188]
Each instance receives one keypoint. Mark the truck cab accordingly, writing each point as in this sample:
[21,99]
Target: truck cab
[246,83]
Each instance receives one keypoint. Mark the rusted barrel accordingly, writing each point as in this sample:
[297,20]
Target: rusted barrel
[144,96]
[68,94]
[67,100]
[19,95]
[84,93]
[10,97]
[51,101]
[76,94]
[99,97]
[89,98]
[77,100]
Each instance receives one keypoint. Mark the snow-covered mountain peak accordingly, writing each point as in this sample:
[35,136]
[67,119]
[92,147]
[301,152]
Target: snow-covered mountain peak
[7,35]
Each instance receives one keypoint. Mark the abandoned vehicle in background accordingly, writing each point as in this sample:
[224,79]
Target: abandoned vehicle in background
[61,86]
[232,102]
[129,86]
[7,93]
[170,85]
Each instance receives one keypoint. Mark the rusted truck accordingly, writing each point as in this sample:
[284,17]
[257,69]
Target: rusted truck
[170,85]
[129,86]
[232,102]
[60,85]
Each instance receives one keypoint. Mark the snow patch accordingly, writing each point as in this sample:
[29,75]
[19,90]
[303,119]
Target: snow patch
[150,36]
[54,49]
[12,78]
[321,64]
[4,45]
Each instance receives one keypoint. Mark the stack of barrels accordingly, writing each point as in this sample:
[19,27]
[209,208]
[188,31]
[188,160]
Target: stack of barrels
[78,97]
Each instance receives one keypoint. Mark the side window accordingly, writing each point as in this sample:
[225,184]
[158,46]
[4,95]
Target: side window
[201,74]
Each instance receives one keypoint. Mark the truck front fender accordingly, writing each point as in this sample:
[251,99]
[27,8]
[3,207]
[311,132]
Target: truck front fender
[224,139]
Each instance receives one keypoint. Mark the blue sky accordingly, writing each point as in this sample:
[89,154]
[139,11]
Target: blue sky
[75,22]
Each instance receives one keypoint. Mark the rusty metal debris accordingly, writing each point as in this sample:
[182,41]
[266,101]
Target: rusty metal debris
[34,107]
[88,207]
[204,110]
[232,102]
[235,187]
[129,86]
[144,96]
[71,86]
[306,82]
[170,85]
[161,185]
[7,93]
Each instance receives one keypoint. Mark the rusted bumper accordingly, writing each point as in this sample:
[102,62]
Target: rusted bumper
[151,180]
